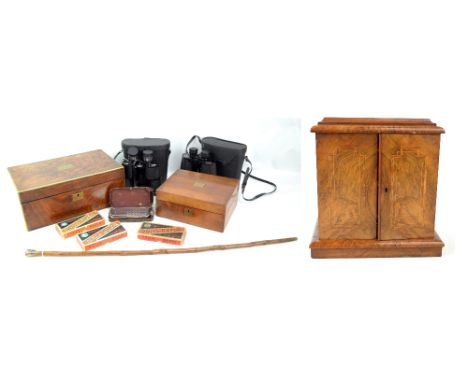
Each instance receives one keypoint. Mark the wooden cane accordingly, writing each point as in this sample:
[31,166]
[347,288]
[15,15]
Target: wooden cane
[165,251]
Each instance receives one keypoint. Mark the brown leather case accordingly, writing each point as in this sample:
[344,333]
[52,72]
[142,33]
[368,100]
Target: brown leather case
[203,200]
[59,189]
[131,204]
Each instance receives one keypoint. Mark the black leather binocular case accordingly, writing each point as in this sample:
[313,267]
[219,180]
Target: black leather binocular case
[223,158]
[145,161]
[216,156]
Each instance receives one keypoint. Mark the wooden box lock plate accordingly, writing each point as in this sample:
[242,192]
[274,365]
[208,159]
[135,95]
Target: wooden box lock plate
[188,211]
[376,186]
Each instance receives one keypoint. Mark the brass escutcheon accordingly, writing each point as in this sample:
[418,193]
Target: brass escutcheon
[77,196]
[188,211]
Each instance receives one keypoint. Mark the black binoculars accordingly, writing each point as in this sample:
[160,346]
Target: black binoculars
[215,156]
[198,161]
[145,161]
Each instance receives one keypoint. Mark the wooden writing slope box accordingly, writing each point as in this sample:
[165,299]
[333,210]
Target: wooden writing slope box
[203,200]
[58,189]
[377,183]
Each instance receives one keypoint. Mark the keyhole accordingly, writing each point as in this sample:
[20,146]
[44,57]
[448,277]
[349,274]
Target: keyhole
[386,189]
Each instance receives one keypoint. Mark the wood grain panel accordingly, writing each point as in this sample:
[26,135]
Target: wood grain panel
[55,176]
[376,121]
[347,186]
[190,215]
[203,200]
[408,185]
[376,126]
[199,190]
[43,212]
[328,249]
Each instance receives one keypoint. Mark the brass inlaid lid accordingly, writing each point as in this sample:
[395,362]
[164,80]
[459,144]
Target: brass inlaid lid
[41,179]
[196,190]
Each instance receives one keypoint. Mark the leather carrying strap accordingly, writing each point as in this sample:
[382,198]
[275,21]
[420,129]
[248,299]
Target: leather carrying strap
[190,142]
[248,174]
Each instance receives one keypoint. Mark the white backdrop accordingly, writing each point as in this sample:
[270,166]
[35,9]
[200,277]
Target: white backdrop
[273,146]
[76,76]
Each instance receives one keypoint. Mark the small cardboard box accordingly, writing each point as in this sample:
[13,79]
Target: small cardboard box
[98,237]
[199,199]
[74,226]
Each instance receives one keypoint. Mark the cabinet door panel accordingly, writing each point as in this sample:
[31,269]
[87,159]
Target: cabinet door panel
[347,185]
[408,185]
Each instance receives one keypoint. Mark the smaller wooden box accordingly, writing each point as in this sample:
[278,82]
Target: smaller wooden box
[203,200]
[59,189]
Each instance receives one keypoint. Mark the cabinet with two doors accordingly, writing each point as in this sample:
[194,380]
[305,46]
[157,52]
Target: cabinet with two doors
[376,187]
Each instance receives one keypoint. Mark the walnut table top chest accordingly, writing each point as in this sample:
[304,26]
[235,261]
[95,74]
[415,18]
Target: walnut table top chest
[376,186]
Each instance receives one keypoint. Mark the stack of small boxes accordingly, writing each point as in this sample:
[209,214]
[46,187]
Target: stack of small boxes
[92,231]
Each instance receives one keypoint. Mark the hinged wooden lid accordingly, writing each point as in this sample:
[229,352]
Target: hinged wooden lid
[131,197]
[51,177]
[377,125]
[197,190]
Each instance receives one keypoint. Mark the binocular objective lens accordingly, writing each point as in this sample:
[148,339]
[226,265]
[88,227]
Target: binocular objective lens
[148,156]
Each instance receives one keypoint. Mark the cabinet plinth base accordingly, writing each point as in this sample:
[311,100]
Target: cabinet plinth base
[329,249]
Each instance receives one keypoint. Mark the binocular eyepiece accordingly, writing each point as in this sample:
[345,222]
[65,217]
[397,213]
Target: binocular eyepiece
[198,161]
[141,173]
[148,156]
[145,161]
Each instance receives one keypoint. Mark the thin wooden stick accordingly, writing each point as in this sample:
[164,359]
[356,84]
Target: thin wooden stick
[165,251]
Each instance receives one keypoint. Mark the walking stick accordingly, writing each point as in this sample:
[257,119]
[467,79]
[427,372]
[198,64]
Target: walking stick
[165,251]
